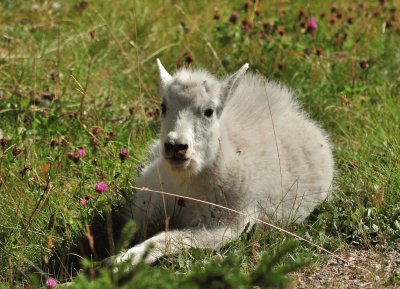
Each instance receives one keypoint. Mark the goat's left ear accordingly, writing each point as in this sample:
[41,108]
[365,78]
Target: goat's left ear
[231,83]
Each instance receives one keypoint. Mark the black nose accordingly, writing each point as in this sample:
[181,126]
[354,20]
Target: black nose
[175,150]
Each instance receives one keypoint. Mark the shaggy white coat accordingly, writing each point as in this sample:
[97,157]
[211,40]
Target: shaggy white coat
[258,153]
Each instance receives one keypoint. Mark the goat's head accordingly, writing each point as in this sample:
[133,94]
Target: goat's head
[192,103]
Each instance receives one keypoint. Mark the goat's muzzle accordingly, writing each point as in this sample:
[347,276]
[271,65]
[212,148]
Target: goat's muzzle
[176,152]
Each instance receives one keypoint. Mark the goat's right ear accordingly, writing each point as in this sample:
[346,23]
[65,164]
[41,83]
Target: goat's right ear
[165,77]
[232,82]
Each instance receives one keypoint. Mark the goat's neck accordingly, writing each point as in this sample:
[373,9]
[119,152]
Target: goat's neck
[222,163]
[226,151]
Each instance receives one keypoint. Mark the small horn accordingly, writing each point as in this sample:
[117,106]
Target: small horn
[164,75]
[243,69]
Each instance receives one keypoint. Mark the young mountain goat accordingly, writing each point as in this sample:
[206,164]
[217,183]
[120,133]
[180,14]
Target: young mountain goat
[242,143]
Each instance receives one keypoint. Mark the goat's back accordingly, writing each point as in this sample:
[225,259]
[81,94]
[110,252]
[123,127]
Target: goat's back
[284,159]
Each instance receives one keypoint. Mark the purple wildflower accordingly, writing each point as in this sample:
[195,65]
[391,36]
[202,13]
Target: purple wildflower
[123,154]
[3,142]
[233,17]
[17,150]
[246,25]
[302,14]
[312,26]
[51,283]
[363,64]
[74,157]
[93,34]
[96,130]
[189,59]
[101,187]
[81,152]
[334,7]
[84,202]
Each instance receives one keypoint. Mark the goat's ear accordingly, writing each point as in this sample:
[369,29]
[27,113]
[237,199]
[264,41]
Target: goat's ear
[165,77]
[232,82]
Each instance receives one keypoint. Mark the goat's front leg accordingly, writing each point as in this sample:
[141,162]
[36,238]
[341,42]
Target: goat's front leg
[171,242]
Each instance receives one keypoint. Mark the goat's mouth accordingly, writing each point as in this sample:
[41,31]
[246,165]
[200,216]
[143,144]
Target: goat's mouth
[178,161]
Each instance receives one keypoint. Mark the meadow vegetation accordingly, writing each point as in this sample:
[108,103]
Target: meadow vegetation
[79,105]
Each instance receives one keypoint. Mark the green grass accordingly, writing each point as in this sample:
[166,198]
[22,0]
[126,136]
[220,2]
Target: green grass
[96,64]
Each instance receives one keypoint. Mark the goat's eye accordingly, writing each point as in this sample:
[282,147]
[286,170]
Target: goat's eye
[208,112]
[163,108]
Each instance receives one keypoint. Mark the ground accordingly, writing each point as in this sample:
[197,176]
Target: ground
[366,269]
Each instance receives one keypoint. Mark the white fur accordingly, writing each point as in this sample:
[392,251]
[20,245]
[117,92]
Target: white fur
[258,153]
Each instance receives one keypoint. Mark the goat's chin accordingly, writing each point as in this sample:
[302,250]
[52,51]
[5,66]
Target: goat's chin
[189,166]
[176,164]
